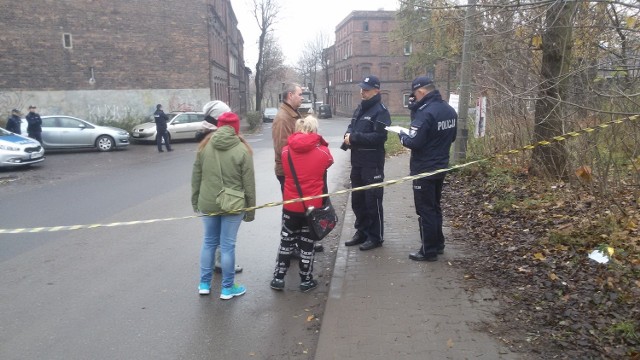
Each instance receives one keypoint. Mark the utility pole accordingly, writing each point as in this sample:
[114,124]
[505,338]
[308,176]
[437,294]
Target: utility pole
[460,147]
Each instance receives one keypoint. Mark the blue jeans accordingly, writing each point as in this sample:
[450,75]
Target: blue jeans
[219,230]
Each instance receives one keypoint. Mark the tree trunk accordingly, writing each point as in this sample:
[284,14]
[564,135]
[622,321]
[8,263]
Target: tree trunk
[551,160]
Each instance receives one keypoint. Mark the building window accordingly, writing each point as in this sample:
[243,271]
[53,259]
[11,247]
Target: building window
[366,47]
[405,99]
[384,72]
[366,71]
[66,41]
[407,48]
[365,26]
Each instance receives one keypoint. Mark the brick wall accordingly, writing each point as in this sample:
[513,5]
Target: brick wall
[364,46]
[130,44]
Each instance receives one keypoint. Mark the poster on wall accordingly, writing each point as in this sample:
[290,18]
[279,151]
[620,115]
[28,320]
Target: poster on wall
[453,101]
[481,116]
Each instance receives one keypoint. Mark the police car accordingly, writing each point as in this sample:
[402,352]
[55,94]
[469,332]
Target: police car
[18,150]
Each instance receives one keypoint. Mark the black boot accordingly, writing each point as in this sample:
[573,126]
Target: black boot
[357,239]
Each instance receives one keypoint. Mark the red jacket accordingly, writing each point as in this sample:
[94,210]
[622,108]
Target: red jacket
[311,159]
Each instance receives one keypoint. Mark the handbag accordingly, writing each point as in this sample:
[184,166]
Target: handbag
[229,199]
[320,220]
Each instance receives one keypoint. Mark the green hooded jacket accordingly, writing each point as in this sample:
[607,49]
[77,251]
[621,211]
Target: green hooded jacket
[224,155]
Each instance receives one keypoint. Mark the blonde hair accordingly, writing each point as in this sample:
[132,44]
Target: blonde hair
[307,125]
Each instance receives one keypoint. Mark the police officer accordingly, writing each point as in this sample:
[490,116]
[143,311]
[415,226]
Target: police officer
[34,129]
[161,128]
[433,129]
[365,137]
[13,122]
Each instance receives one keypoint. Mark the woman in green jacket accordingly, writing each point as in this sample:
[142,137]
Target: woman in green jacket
[224,160]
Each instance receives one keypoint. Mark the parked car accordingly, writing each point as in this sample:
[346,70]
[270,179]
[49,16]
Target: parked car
[181,126]
[269,114]
[17,150]
[324,111]
[68,132]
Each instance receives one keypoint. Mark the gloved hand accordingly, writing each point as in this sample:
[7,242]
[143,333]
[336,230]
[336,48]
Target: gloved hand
[249,216]
[402,136]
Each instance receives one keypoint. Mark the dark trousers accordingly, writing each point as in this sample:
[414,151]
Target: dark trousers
[426,195]
[295,232]
[281,180]
[36,136]
[367,204]
[163,134]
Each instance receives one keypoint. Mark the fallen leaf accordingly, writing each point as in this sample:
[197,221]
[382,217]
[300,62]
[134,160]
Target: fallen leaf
[450,343]
[310,317]
[553,276]
[539,256]
[584,173]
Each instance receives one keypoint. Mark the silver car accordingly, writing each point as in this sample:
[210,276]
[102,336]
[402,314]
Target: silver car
[17,150]
[181,126]
[67,132]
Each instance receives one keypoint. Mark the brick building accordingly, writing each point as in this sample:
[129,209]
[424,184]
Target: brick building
[364,46]
[112,59]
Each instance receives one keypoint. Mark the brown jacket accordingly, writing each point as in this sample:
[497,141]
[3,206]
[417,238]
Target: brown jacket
[284,125]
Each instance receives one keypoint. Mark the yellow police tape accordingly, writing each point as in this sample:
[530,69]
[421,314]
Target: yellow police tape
[345,191]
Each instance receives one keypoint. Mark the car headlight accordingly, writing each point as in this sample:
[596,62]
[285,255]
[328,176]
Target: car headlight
[123,133]
[9,147]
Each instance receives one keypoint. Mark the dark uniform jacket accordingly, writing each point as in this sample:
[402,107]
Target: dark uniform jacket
[35,123]
[161,120]
[13,124]
[433,129]
[368,134]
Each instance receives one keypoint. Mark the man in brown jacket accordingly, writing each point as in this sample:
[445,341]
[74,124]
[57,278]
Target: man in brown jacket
[284,125]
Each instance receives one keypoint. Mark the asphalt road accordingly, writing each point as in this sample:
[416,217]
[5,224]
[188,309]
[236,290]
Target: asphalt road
[130,292]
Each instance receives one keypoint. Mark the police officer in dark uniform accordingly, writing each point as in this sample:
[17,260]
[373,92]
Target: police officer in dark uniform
[433,129]
[365,137]
[161,128]
[34,127]
[13,122]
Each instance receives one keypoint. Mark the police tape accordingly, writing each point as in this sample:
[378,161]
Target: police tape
[558,138]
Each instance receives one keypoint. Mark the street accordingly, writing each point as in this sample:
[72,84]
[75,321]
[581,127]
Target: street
[130,292]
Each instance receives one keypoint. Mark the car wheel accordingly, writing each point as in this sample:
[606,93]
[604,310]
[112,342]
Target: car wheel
[105,143]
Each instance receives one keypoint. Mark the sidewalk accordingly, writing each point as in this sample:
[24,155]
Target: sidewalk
[384,306]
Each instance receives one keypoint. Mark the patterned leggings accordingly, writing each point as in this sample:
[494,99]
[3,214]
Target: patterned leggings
[295,231]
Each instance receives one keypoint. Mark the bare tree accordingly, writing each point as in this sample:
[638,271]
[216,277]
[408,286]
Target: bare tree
[311,60]
[556,65]
[266,14]
[272,65]
[546,67]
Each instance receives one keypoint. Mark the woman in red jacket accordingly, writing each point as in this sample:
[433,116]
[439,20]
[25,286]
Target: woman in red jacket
[311,158]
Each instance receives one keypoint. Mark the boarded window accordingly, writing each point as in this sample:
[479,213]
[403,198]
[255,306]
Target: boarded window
[66,41]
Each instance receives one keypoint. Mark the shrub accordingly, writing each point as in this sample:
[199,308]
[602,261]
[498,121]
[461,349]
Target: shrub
[254,119]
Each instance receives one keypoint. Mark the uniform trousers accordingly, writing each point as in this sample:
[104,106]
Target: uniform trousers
[426,195]
[367,204]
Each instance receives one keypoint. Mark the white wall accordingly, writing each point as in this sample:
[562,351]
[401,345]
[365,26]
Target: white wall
[94,105]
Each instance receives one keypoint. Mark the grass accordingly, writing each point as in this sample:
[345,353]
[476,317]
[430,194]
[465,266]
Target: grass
[393,146]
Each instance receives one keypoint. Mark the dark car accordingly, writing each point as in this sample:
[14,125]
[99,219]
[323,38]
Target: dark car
[324,111]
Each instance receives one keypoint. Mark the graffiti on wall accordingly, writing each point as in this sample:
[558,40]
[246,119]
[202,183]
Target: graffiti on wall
[105,112]
[179,103]
[10,101]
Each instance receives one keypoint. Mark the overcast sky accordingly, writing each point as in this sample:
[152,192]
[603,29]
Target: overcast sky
[300,21]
